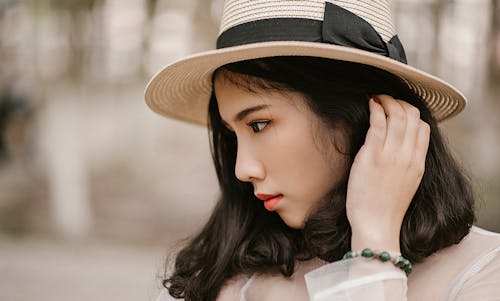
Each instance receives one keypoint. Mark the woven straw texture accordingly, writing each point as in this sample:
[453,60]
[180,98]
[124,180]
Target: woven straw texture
[182,89]
[375,12]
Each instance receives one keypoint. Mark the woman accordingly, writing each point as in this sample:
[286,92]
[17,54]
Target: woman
[326,146]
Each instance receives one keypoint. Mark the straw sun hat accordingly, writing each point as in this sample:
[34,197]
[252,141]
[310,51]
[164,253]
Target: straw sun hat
[358,31]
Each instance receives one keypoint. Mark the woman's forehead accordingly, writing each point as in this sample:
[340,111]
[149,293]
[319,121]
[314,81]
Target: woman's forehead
[233,99]
[249,83]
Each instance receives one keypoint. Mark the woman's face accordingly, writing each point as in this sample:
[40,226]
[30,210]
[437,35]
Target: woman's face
[283,149]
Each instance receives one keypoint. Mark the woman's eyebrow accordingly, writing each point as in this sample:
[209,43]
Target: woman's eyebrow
[247,111]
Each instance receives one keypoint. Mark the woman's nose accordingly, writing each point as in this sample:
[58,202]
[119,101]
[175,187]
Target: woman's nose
[248,168]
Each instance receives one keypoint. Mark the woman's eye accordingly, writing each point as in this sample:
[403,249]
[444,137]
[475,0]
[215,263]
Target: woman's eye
[259,125]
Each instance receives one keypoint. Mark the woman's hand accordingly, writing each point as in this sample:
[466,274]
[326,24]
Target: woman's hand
[386,173]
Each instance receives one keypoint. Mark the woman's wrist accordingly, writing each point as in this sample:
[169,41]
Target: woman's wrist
[376,239]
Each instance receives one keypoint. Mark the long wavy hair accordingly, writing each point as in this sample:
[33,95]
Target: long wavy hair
[241,237]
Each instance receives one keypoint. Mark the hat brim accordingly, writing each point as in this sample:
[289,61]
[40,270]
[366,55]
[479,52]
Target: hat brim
[182,89]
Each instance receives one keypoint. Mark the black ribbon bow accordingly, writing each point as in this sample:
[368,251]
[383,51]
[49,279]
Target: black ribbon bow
[342,27]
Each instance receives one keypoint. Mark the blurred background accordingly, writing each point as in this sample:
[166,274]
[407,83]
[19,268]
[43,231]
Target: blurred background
[95,187]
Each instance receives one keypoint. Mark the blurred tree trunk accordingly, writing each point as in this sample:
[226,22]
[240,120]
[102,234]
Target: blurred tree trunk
[151,6]
[204,27]
[494,44]
[437,12]
[62,123]
[79,11]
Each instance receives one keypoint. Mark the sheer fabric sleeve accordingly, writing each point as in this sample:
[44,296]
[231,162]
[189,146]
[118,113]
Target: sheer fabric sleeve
[357,279]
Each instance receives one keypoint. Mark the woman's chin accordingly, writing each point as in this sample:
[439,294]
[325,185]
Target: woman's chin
[294,222]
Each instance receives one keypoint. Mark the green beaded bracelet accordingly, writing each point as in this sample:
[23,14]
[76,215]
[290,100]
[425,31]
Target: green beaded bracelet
[398,260]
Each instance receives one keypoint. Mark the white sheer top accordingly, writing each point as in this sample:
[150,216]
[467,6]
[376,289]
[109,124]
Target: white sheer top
[469,270]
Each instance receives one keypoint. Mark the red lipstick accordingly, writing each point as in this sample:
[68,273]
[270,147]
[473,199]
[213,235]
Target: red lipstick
[270,200]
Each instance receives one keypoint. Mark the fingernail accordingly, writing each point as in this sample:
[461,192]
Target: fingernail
[376,99]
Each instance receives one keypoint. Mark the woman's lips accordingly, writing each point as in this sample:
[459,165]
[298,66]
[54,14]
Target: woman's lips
[270,201]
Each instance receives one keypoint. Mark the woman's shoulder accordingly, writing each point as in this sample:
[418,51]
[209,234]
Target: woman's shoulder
[477,231]
[479,279]
[264,287]
[484,245]
[481,240]
[475,245]
[233,288]
[474,257]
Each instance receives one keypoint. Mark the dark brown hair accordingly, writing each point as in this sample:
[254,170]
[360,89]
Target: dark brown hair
[241,237]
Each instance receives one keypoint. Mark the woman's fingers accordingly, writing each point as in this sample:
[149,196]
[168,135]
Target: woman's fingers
[423,138]
[396,122]
[412,127]
[378,125]
[396,128]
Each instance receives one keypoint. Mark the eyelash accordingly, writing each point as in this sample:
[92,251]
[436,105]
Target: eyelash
[254,125]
